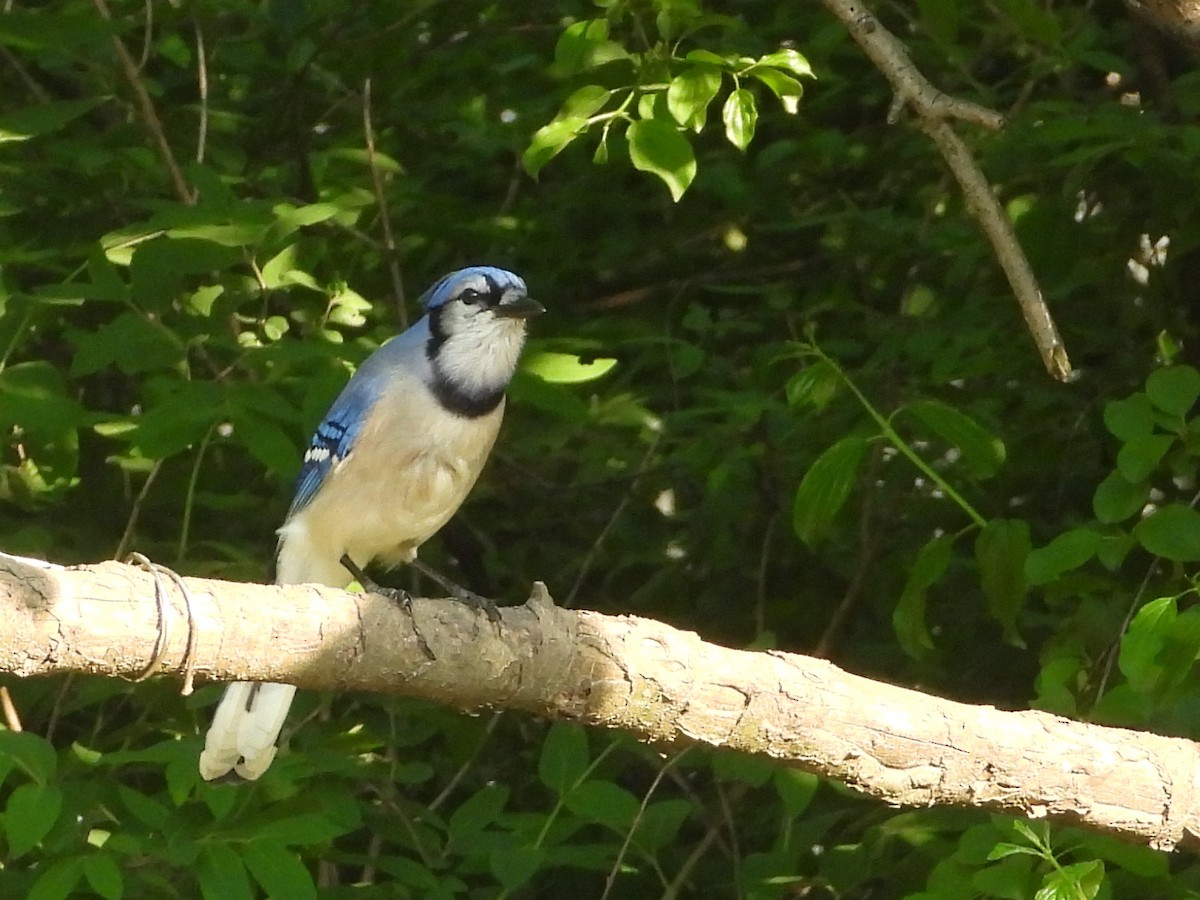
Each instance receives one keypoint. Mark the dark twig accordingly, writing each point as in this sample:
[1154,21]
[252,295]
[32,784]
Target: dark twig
[1114,651]
[136,510]
[862,565]
[148,113]
[389,239]
[616,866]
[934,109]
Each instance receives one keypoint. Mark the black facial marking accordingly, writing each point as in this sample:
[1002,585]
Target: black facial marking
[437,332]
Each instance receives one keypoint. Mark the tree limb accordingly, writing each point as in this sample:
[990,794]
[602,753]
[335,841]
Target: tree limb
[934,109]
[642,677]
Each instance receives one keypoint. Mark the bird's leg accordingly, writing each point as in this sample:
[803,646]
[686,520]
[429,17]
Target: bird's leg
[399,595]
[371,586]
[459,593]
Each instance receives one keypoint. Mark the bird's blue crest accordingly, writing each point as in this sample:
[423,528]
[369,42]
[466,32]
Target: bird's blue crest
[449,285]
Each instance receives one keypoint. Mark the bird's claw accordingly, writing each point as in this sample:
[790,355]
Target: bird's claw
[478,601]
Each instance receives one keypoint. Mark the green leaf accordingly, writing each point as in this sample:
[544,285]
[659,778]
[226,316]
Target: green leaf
[659,823]
[1010,879]
[104,876]
[816,384]
[1140,456]
[657,147]
[982,453]
[477,812]
[796,789]
[690,93]
[740,115]
[585,45]
[1001,549]
[585,101]
[1116,499]
[1172,532]
[146,809]
[30,813]
[514,866]
[278,870]
[1142,643]
[743,768]
[550,140]
[1005,849]
[1068,551]
[33,397]
[567,368]
[785,87]
[1130,418]
[788,59]
[29,753]
[130,342]
[1174,390]
[31,121]
[57,881]
[222,875]
[564,758]
[302,829]
[1078,881]
[908,618]
[603,802]
[825,488]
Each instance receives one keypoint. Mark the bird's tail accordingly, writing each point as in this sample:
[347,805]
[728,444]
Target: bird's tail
[244,730]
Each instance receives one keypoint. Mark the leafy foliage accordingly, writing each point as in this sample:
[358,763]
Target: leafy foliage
[790,391]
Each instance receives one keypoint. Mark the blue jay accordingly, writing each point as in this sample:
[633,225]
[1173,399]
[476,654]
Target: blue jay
[392,461]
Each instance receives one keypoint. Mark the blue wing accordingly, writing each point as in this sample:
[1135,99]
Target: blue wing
[333,440]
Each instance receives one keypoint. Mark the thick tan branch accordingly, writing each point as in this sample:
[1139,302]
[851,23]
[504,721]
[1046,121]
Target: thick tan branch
[652,681]
[934,109]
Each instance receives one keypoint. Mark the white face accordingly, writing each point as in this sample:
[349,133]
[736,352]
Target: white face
[479,330]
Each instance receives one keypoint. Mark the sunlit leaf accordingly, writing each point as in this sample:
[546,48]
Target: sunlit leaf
[658,148]
[825,488]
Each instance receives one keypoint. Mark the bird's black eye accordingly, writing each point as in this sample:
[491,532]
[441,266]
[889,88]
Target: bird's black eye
[470,296]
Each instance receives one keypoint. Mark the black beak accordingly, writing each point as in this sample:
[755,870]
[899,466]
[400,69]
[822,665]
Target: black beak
[521,308]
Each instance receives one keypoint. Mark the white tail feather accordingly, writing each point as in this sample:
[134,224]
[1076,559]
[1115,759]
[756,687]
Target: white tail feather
[244,730]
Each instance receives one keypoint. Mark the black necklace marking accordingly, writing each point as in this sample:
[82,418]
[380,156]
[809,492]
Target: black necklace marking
[463,403]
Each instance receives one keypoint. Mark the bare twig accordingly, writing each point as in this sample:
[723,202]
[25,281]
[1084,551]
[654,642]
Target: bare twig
[136,510]
[11,718]
[148,113]
[590,557]
[389,239]
[39,93]
[202,84]
[933,109]
[862,565]
[616,866]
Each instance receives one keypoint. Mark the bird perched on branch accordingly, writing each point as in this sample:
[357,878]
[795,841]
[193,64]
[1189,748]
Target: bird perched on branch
[393,459]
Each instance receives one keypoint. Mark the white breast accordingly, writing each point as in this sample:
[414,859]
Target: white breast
[409,471]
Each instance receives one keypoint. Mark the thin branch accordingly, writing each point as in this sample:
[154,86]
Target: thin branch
[135,511]
[627,673]
[934,109]
[11,717]
[389,240]
[31,84]
[862,565]
[148,113]
[202,85]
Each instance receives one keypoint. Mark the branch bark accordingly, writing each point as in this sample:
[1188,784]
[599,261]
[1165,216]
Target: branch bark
[648,679]
[934,110]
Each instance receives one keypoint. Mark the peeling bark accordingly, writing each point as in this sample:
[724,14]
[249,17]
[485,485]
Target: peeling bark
[637,675]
